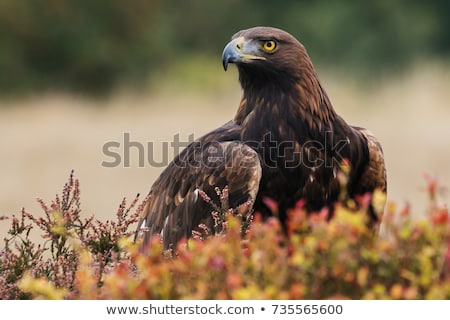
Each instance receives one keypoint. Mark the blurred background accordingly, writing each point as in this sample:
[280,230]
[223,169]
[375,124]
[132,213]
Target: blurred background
[75,75]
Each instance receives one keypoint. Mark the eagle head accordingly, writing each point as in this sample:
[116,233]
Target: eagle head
[266,53]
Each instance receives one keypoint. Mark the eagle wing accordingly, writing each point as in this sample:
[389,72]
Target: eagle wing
[216,160]
[373,176]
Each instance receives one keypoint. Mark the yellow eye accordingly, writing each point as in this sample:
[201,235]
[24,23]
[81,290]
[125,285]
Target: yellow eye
[269,45]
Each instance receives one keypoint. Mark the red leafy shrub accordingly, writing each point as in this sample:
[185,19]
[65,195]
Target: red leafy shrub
[247,258]
[65,234]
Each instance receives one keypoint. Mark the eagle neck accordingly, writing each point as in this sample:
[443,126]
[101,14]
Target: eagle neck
[297,104]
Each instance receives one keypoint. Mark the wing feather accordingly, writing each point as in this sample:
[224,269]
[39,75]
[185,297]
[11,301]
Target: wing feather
[217,159]
[373,176]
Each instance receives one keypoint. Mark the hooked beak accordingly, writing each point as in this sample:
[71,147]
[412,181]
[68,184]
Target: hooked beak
[240,51]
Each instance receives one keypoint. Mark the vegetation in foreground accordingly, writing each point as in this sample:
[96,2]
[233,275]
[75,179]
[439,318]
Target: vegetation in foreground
[83,258]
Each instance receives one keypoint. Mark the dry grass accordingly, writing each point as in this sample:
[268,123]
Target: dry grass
[44,137]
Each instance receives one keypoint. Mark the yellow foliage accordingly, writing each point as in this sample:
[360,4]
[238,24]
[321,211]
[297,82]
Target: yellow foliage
[40,288]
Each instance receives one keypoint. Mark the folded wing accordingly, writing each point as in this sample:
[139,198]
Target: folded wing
[216,160]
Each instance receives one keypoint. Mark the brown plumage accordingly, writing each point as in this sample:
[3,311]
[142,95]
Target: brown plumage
[286,142]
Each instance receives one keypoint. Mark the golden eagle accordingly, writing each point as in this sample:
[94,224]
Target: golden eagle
[286,142]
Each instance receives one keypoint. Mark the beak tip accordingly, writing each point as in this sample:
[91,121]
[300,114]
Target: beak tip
[225,65]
